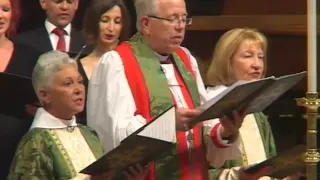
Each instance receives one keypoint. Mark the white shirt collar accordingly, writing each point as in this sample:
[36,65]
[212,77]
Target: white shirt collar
[43,119]
[161,57]
[50,27]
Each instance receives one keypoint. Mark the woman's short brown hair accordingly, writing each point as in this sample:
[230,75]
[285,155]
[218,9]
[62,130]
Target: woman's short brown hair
[220,71]
[93,15]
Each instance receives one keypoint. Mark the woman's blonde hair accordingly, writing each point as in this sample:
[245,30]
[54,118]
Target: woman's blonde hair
[220,71]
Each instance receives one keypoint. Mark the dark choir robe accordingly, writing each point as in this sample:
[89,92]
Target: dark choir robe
[12,128]
[39,39]
[23,60]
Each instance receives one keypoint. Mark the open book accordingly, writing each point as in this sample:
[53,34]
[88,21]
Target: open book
[141,147]
[285,164]
[253,96]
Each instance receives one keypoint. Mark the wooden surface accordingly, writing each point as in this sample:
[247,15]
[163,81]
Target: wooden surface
[287,54]
[272,24]
[254,7]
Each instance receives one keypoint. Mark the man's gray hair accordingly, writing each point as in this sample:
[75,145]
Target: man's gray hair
[47,65]
[144,8]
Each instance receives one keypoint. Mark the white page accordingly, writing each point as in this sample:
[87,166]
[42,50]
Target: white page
[215,99]
[163,128]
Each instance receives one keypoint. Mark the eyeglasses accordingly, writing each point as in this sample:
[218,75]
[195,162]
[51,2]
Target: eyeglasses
[61,1]
[175,21]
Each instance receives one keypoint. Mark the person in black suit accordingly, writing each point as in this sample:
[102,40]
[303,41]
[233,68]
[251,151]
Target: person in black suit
[56,33]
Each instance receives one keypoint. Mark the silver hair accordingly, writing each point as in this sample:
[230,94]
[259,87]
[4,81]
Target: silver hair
[47,65]
[144,8]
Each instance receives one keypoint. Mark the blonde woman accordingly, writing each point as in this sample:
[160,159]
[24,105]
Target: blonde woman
[240,54]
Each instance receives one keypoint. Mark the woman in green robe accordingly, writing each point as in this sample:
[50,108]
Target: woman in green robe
[56,147]
[240,54]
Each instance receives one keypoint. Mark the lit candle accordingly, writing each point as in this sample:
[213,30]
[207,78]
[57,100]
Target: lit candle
[312,45]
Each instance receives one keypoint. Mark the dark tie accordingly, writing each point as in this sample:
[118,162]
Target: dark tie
[61,45]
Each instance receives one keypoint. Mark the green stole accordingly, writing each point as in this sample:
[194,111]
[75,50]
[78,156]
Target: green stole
[267,140]
[41,151]
[65,164]
[167,164]
[160,98]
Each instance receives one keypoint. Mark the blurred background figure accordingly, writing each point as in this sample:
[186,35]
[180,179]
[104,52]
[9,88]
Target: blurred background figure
[17,59]
[106,24]
[56,33]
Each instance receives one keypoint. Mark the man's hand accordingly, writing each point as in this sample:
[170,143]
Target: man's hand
[103,176]
[230,127]
[295,176]
[136,172]
[184,117]
[255,176]
[133,173]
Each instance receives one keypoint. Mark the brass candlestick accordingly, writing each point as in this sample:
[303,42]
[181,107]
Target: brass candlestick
[312,156]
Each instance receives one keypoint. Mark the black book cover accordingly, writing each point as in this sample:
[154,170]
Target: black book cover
[285,164]
[137,148]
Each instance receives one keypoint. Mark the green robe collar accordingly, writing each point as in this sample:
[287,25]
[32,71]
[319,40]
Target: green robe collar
[149,62]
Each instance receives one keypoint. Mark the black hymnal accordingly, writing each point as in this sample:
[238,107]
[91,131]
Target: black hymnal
[15,93]
[286,164]
[253,96]
[141,147]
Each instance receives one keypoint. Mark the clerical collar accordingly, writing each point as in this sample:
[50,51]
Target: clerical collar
[43,119]
[162,58]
